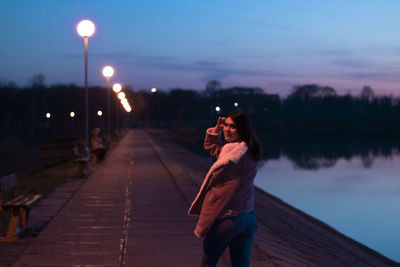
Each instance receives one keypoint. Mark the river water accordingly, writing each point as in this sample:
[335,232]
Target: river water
[358,194]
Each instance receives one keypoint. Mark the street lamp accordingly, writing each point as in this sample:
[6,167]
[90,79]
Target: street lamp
[86,29]
[126,105]
[71,122]
[121,95]
[48,115]
[108,71]
[99,113]
[117,87]
[153,91]
[124,101]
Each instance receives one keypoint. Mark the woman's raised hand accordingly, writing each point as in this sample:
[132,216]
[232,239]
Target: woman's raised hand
[218,127]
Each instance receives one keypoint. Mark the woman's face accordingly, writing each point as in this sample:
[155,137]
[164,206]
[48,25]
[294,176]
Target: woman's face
[231,133]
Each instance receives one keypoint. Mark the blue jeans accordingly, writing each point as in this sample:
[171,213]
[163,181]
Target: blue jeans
[237,232]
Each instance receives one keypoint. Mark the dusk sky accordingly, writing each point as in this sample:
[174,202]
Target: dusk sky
[185,43]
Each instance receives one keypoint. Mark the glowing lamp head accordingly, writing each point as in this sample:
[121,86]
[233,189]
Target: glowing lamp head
[72,114]
[99,113]
[121,95]
[235,104]
[85,28]
[127,107]
[217,109]
[153,90]
[117,87]
[48,115]
[108,71]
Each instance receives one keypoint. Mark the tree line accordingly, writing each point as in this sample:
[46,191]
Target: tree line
[307,109]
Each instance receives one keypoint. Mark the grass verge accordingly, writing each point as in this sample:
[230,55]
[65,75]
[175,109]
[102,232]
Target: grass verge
[41,182]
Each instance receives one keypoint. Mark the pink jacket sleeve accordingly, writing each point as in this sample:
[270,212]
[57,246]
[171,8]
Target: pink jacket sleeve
[212,143]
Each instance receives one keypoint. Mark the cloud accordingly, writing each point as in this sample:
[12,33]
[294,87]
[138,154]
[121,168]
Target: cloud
[371,75]
[210,66]
[211,70]
[281,84]
[335,52]
[123,55]
[100,55]
[208,69]
[395,50]
[344,58]
[352,63]
[206,63]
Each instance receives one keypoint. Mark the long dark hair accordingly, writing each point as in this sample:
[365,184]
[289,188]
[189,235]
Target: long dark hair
[247,133]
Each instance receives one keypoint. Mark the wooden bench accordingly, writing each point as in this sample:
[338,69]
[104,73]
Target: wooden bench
[19,207]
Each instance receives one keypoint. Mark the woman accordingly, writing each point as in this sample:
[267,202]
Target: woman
[96,146]
[225,202]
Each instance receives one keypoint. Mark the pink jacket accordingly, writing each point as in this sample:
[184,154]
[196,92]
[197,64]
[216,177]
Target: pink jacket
[228,188]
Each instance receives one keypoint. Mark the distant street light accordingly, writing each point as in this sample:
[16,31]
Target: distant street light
[235,104]
[108,72]
[48,115]
[71,121]
[126,105]
[117,87]
[128,108]
[153,91]
[217,109]
[99,113]
[86,29]
[121,95]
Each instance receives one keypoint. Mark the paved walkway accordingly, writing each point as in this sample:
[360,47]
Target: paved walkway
[130,212]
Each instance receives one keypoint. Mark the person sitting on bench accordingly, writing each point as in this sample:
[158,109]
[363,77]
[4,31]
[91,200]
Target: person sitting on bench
[97,146]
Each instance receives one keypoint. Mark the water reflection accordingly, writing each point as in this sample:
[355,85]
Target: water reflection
[352,184]
[315,152]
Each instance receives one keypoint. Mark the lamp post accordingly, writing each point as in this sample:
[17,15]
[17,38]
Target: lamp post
[71,121]
[86,29]
[121,95]
[117,88]
[153,91]
[48,116]
[108,72]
